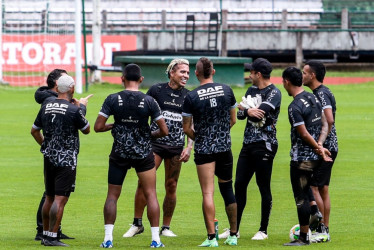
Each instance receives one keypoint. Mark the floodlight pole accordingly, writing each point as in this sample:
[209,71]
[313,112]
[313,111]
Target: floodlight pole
[1,41]
[85,47]
[78,48]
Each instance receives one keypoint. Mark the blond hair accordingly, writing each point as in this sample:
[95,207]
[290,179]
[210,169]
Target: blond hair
[175,62]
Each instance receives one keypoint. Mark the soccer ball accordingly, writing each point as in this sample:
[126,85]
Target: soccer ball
[295,232]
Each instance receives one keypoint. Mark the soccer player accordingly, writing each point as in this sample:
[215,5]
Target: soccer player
[208,114]
[260,143]
[42,96]
[132,147]
[60,119]
[170,97]
[308,132]
[313,75]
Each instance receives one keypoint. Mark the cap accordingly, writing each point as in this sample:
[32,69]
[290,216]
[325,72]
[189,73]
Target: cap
[64,83]
[261,65]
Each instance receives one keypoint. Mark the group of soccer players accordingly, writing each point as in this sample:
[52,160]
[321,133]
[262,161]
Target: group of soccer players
[205,115]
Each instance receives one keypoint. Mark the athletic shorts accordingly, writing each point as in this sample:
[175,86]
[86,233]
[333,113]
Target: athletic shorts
[58,180]
[165,151]
[223,160]
[322,175]
[118,167]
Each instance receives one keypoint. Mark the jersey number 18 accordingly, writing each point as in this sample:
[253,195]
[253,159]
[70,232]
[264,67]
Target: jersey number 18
[213,102]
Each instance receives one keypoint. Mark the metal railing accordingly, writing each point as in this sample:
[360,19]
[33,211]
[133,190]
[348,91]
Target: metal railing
[128,20]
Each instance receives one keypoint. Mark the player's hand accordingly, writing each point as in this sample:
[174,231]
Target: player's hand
[74,101]
[324,153]
[185,155]
[84,100]
[255,112]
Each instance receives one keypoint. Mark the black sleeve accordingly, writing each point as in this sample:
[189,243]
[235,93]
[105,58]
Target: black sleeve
[83,108]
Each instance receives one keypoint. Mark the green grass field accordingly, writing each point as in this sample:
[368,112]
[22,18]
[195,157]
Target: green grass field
[21,181]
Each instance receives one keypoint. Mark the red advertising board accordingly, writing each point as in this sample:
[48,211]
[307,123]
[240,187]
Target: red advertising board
[45,52]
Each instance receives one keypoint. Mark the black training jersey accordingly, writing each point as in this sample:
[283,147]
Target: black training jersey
[170,102]
[131,111]
[60,121]
[327,100]
[304,109]
[272,97]
[210,106]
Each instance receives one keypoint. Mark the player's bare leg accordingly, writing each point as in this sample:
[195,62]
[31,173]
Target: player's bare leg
[172,171]
[205,173]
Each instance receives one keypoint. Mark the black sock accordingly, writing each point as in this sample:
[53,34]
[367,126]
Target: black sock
[264,231]
[137,222]
[211,236]
[303,237]
[165,227]
[232,234]
[313,209]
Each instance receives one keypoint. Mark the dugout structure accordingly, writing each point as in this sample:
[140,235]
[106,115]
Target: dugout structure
[229,70]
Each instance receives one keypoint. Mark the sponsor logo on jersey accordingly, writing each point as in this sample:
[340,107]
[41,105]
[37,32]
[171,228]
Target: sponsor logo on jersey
[172,116]
[174,95]
[56,108]
[129,120]
[317,118]
[210,92]
[120,102]
[173,103]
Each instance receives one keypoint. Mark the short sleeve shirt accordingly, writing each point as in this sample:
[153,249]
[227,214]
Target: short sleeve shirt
[304,109]
[170,102]
[327,100]
[272,97]
[60,121]
[131,132]
[210,106]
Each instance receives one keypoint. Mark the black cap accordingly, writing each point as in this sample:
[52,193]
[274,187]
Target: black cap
[261,65]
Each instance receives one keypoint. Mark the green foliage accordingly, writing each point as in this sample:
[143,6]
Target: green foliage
[21,181]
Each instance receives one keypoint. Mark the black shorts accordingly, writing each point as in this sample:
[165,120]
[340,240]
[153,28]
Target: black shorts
[59,180]
[322,175]
[118,167]
[165,151]
[223,160]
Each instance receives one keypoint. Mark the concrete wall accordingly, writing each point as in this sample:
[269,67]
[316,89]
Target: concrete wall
[279,40]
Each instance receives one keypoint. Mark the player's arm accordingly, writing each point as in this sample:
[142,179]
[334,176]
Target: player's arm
[188,127]
[324,130]
[101,125]
[186,153]
[162,129]
[38,136]
[329,118]
[319,149]
[232,117]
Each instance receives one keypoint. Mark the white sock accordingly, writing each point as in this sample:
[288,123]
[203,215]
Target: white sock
[45,233]
[155,234]
[108,232]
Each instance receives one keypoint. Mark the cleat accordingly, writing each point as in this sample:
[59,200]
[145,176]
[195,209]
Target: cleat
[134,230]
[320,237]
[209,243]
[260,236]
[314,221]
[107,244]
[154,244]
[231,241]
[64,236]
[39,236]
[167,232]
[297,243]
[55,243]
[226,234]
